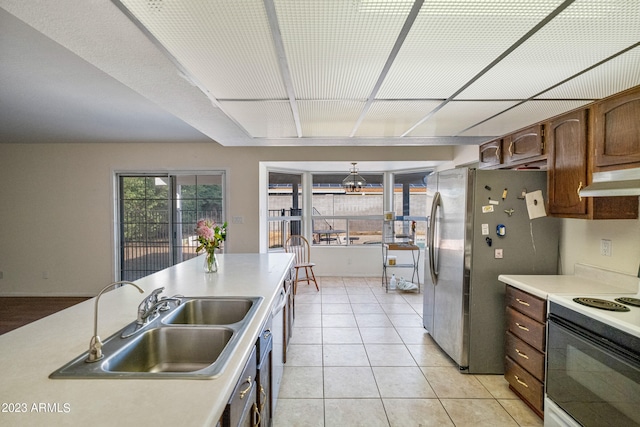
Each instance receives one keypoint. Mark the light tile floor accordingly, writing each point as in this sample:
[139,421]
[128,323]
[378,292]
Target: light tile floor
[360,357]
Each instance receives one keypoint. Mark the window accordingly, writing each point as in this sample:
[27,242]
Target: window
[347,218]
[157,218]
[410,200]
[285,207]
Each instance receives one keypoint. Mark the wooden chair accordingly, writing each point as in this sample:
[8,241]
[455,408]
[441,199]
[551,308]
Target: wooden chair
[299,246]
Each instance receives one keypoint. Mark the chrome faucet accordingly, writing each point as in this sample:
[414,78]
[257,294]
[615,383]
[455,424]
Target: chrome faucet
[152,304]
[95,345]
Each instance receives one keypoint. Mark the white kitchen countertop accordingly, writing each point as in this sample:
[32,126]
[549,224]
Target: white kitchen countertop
[29,354]
[586,280]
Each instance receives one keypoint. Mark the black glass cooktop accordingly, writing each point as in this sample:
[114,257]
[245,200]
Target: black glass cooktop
[602,304]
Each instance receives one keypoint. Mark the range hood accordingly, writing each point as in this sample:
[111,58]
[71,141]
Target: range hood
[624,182]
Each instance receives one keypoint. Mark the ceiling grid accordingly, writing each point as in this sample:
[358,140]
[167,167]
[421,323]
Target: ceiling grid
[357,72]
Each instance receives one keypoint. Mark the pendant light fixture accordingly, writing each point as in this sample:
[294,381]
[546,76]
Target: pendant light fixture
[353,182]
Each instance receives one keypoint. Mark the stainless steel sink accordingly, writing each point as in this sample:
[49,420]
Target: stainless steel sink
[195,340]
[210,311]
[171,350]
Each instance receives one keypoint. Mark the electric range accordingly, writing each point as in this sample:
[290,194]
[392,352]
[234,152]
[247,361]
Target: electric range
[593,361]
[627,321]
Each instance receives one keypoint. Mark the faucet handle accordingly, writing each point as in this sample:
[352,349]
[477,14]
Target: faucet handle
[153,297]
[156,292]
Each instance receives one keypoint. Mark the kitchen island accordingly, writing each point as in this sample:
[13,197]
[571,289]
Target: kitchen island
[28,355]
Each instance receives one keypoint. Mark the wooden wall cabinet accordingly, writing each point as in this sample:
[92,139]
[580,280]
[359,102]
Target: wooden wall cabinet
[524,145]
[568,170]
[617,130]
[490,154]
[525,346]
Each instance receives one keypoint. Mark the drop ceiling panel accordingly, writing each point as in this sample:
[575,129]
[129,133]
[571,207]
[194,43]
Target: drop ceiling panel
[577,38]
[616,75]
[262,119]
[522,116]
[336,49]
[451,42]
[328,118]
[226,46]
[393,118]
[455,117]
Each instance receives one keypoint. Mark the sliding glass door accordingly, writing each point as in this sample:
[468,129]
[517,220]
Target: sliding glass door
[157,218]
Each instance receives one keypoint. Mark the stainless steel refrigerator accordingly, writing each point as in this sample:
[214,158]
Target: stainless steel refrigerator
[479,228]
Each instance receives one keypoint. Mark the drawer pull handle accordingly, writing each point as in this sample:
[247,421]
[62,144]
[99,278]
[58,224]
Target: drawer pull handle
[521,354]
[256,415]
[520,381]
[263,399]
[246,390]
[524,328]
[522,302]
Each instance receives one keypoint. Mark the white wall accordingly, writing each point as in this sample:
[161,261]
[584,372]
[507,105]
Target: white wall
[580,242]
[57,202]
[56,209]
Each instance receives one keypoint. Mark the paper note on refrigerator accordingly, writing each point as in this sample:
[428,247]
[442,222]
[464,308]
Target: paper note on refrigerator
[535,204]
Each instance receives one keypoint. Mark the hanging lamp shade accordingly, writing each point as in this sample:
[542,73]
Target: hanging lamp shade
[353,182]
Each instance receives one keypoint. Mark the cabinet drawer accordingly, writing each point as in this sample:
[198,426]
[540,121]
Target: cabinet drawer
[529,388]
[525,328]
[243,396]
[526,356]
[534,307]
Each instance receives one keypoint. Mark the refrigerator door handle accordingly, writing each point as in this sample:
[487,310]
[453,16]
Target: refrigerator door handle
[432,237]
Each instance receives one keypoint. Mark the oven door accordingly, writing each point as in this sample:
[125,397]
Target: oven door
[590,378]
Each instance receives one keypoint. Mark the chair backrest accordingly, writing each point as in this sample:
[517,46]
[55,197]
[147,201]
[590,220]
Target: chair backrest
[299,246]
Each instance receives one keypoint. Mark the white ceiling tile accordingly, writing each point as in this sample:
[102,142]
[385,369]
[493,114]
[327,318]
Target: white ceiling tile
[336,49]
[225,45]
[456,116]
[393,118]
[580,36]
[328,118]
[522,116]
[263,119]
[616,75]
[452,41]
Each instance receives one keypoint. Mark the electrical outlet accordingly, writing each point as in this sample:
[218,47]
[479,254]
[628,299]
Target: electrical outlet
[498,253]
[237,220]
[605,247]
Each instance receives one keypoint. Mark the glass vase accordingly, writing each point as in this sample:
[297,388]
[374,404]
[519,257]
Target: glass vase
[210,262]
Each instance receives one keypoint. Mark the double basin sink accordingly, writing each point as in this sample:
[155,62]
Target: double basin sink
[194,340]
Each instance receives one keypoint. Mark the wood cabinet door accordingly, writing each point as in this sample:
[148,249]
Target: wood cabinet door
[567,164]
[617,130]
[490,154]
[524,144]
